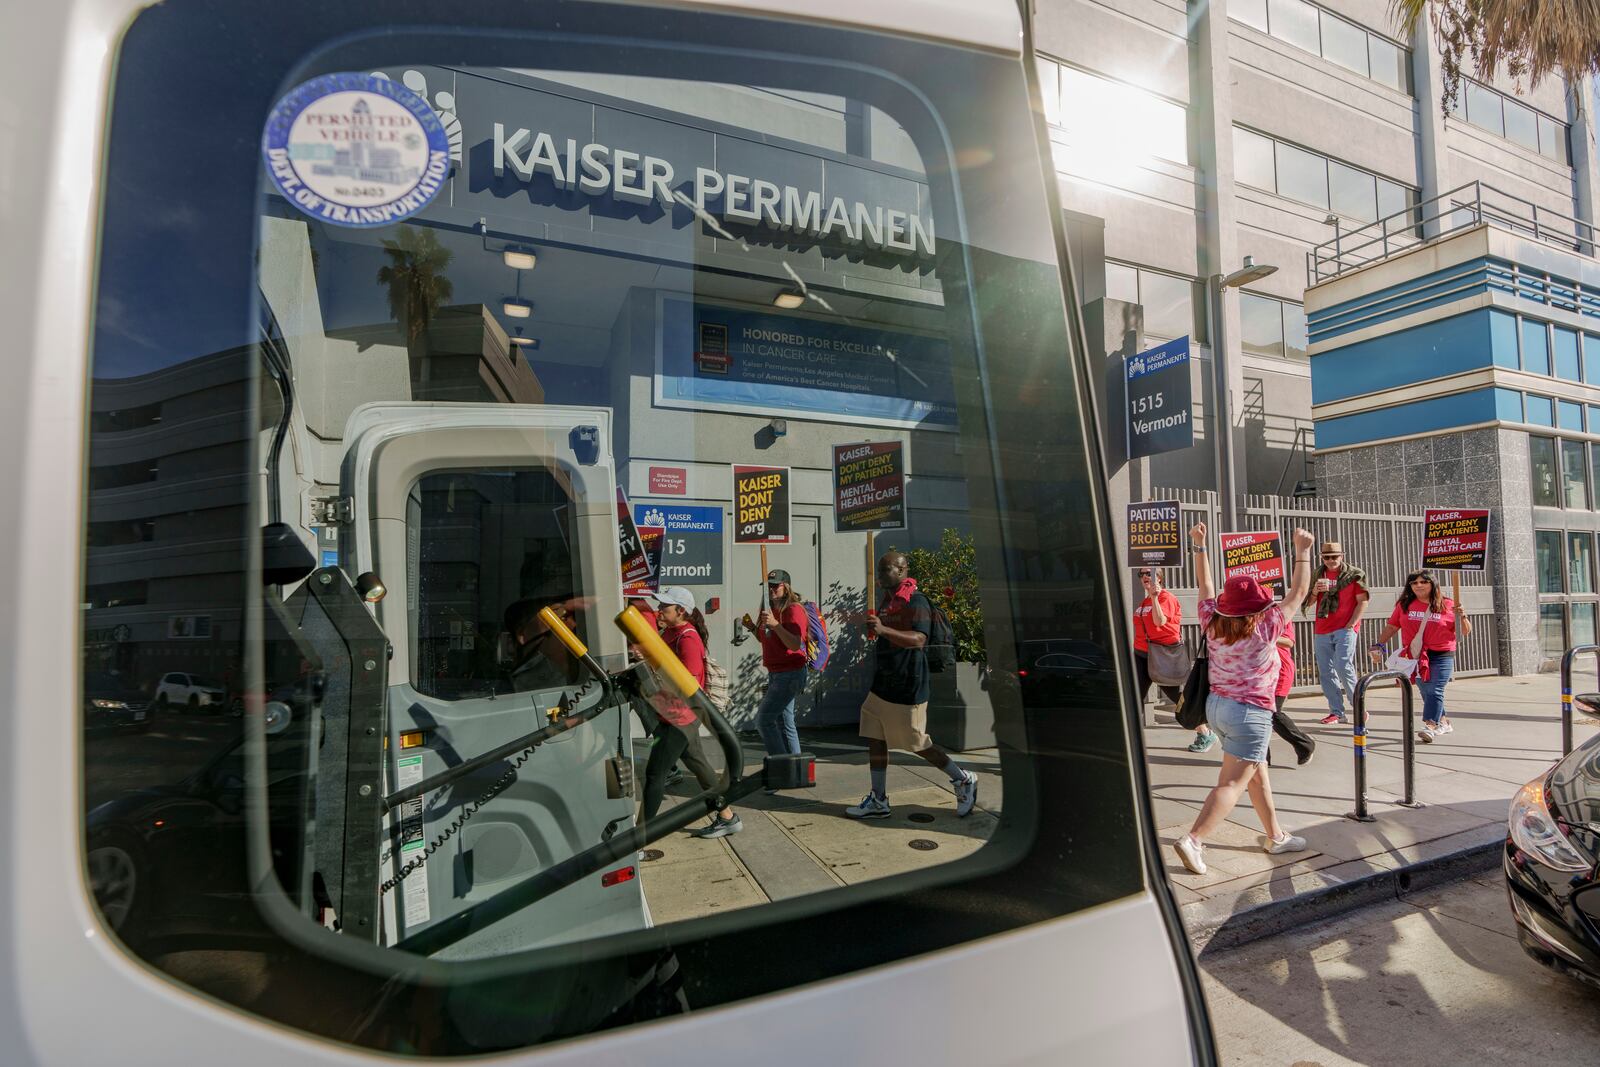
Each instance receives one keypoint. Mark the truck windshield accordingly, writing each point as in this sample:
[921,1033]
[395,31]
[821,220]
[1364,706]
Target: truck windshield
[756,329]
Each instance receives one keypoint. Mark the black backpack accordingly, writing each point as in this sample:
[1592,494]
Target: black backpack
[941,646]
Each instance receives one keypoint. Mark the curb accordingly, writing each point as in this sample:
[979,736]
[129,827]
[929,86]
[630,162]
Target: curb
[1302,909]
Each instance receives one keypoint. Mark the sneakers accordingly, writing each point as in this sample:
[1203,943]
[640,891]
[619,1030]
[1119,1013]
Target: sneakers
[1333,717]
[1443,727]
[719,827]
[1192,853]
[1287,843]
[966,794]
[872,806]
[674,775]
[1202,742]
[1428,732]
[1303,758]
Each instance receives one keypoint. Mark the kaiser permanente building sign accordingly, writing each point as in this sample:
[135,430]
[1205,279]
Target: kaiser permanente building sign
[603,171]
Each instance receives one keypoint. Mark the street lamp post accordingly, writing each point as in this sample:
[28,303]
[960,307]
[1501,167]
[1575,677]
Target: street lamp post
[1221,395]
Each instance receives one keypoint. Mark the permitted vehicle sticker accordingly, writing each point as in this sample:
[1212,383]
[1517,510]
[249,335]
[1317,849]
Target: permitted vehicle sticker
[356,150]
[412,842]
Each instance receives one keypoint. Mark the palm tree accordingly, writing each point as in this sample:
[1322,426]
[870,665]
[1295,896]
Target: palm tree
[1529,38]
[416,281]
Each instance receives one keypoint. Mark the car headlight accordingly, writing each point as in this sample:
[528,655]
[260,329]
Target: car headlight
[1534,831]
[108,704]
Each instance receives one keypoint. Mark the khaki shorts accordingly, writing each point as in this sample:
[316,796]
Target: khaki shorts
[902,726]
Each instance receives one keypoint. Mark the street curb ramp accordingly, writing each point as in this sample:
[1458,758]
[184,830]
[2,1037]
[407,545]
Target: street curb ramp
[1208,934]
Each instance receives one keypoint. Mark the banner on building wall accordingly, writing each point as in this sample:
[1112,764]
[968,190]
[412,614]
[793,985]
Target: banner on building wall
[1258,553]
[723,358]
[760,505]
[1154,534]
[652,539]
[1160,400]
[1455,539]
[635,561]
[869,487]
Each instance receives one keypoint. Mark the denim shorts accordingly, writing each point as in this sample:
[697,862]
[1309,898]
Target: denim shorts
[1244,728]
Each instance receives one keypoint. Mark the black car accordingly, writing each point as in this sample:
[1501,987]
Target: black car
[1551,853]
[110,703]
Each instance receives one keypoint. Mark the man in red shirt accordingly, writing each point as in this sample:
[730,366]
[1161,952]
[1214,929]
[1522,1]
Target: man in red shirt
[1340,596]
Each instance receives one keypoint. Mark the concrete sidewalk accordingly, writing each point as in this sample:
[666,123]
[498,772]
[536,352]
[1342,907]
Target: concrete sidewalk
[1507,730]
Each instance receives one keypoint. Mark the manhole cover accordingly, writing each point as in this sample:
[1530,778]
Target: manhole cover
[922,844]
[920,816]
[651,854]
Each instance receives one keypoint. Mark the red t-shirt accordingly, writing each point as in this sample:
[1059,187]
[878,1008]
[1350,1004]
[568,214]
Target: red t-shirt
[778,657]
[684,640]
[1441,635]
[1144,628]
[1286,660]
[1340,619]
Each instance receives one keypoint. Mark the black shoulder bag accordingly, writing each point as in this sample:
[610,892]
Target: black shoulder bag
[1196,688]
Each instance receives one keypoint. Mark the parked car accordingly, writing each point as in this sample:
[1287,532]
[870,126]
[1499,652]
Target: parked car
[1552,849]
[110,703]
[192,691]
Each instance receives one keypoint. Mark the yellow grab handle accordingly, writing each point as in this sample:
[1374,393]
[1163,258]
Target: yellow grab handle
[656,652]
[552,619]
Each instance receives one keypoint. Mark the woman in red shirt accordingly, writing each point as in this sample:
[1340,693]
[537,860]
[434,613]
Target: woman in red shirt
[677,734]
[1282,725]
[1428,621]
[1158,619]
[782,630]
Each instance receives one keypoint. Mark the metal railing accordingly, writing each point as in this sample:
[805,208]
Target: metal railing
[1459,209]
[1359,707]
[1566,690]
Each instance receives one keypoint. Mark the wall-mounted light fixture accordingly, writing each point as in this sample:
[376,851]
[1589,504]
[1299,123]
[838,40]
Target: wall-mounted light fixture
[779,427]
[524,342]
[519,258]
[516,308]
[789,299]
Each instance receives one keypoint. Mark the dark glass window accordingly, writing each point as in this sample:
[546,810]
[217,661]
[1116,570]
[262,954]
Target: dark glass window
[1542,451]
[1260,324]
[1574,478]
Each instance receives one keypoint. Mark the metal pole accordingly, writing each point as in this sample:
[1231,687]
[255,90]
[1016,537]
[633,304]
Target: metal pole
[1409,750]
[1566,691]
[1359,748]
[1222,407]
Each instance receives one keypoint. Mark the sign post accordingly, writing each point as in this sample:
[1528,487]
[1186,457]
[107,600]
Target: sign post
[1154,535]
[1455,539]
[1257,553]
[1160,400]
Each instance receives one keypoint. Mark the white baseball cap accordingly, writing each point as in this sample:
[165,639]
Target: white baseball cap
[676,594]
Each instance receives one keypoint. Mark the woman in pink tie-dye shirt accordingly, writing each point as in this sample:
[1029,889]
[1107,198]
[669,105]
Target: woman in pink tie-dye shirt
[1241,628]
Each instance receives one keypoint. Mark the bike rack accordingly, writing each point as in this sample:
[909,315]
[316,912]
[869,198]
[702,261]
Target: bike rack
[1566,690]
[1360,747]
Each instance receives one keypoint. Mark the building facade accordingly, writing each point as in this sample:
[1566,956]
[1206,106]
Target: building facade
[1311,138]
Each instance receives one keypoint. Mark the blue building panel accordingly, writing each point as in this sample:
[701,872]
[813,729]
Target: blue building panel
[1421,416]
[1417,294]
[1471,341]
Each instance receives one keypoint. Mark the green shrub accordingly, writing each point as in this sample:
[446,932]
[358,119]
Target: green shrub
[948,577]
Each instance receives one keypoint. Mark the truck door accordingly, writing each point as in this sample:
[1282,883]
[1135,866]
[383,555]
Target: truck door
[475,517]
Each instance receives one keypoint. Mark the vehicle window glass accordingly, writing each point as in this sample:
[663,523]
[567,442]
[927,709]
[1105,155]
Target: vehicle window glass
[514,314]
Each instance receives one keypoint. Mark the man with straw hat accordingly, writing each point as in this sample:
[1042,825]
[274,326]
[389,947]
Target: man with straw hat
[1340,596]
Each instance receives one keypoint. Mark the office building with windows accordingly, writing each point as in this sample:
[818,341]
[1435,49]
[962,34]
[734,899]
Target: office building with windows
[1312,137]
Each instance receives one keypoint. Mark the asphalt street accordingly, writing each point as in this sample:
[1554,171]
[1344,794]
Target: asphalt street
[1436,977]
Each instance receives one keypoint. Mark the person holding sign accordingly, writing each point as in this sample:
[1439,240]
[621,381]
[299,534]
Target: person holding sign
[1427,624]
[782,631]
[1341,597]
[1242,625]
[1157,621]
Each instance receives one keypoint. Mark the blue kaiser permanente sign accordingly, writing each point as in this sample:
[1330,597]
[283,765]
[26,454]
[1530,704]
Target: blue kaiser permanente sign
[734,359]
[356,150]
[691,548]
[1160,400]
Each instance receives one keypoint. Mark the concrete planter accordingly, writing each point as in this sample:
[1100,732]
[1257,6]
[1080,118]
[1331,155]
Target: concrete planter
[960,714]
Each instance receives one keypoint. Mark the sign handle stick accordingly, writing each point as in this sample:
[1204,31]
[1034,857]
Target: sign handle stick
[764,597]
[872,573]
